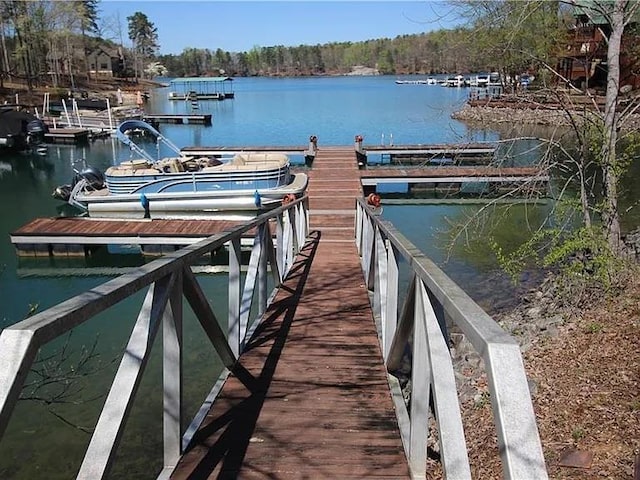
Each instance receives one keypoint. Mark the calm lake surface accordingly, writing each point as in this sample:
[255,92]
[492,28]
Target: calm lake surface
[264,112]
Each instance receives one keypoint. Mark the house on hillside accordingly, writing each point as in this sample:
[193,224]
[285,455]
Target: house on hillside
[106,62]
[102,62]
[584,59]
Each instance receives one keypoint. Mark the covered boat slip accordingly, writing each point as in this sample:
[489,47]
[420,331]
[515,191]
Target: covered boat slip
[201,88]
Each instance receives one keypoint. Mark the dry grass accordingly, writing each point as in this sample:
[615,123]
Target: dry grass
[586,395]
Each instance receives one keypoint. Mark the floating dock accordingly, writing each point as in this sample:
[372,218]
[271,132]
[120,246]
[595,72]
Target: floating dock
[455,154]
[453,179]
[69,136]
[81,236]
[178,119]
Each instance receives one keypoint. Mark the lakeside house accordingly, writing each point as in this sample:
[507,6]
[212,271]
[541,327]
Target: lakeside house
[584,60]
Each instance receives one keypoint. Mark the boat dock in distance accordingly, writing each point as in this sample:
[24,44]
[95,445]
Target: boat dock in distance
[178,119]
[201,88]
[438,154]
[308,152]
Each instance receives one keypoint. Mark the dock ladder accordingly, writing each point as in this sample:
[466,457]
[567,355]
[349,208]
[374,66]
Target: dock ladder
[192,97]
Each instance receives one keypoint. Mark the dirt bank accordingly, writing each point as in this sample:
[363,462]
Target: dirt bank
[528,114]
[102,89]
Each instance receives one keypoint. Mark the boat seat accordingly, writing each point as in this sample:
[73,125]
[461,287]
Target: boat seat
[260,157]
[121,171]
[137,164]
[147,171]
[172,165]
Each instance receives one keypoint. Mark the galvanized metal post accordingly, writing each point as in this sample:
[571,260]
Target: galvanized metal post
[262,271]
[172,375]
[108,432]
[280,250]
[380,280]
[420,389]
[453,447]
[233,326]
[391,307]
[18,353]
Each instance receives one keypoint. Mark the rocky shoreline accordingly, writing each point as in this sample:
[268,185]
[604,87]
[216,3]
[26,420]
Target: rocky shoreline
[542,116]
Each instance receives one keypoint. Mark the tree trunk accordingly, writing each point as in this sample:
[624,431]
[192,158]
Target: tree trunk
[610,214]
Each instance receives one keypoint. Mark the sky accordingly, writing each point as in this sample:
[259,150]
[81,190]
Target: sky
[240,25]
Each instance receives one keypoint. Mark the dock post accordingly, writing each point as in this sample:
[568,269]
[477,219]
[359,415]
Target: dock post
[310,154]
[361,154]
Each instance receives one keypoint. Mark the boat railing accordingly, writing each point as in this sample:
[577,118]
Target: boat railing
[434,304]
[167,281]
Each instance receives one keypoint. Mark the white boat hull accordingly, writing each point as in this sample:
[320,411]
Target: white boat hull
[225,204]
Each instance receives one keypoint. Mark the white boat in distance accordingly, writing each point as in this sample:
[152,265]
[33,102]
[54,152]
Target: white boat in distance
[183,186]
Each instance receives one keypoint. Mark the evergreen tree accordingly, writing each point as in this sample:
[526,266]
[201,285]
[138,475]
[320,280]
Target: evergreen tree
[144,36]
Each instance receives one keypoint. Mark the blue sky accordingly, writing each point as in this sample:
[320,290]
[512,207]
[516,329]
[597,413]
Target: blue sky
[240,25]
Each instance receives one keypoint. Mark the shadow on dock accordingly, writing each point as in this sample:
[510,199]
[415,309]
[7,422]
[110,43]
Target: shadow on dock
[233,431]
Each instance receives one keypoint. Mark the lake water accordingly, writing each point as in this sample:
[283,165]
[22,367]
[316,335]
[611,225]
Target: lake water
[265,111]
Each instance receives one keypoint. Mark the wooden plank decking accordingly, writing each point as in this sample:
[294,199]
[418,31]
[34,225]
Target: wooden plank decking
[101,227]
[75,236]
[451,174]
[309,398]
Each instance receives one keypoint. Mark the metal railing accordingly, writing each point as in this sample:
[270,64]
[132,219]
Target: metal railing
[381,246]
[168,280]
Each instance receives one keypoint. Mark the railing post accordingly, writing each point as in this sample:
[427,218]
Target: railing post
[172,374]
[293,220]
[367,249]
[390,316]
[290,240]
[379,277]
[453,447]
[262,270]
[18,353]
[233,327]
[108,432]
[358,227]
[518,437]
[420,389]
[280,249]
[252,277]
[302,232]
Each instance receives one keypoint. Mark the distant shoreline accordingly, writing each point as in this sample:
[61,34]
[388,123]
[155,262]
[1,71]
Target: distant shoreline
[525,115]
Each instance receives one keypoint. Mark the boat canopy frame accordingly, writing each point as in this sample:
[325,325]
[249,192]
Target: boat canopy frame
[160,139]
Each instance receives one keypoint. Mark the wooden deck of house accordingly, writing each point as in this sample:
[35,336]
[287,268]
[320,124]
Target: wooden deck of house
[307,401]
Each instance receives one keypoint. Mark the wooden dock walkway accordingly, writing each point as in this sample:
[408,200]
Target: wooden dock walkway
[306,400]
[334,183]
[72,236]
[458,154]
[453,174]
[71,136]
